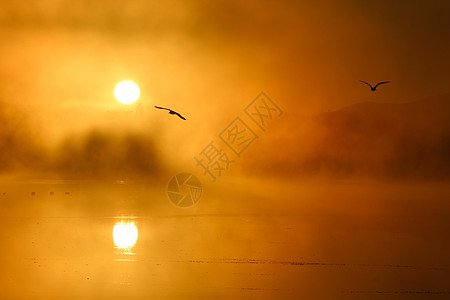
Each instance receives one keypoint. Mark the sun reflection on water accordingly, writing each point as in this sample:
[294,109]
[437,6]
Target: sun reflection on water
[125,235]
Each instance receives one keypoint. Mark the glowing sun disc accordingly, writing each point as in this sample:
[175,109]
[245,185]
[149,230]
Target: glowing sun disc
[127,92]
[125,235]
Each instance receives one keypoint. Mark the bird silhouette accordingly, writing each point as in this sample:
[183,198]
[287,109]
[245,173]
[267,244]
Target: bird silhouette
[172,112]
[373,88]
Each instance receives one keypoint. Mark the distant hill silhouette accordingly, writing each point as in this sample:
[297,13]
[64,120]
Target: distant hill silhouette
[406,140]
[382,140]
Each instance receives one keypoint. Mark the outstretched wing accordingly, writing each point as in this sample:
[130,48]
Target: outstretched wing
[159,107]
[367,84]
[180,116]
[383,82]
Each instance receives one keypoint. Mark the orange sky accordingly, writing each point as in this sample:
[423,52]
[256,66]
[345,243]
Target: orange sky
[60,60]
[309,56]
[332,201]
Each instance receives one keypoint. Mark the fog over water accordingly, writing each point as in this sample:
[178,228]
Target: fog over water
[288,179]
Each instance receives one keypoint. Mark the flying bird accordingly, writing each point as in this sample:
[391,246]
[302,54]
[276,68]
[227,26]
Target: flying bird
[172,112]
[373,88]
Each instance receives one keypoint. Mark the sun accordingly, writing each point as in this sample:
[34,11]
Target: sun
[127,92]
[125,234]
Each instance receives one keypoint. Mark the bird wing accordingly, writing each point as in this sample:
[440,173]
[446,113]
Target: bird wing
[383,82]
[159,107]
[366,83]
[180,115]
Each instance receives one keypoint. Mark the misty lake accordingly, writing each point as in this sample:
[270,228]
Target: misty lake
[252,240]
